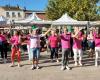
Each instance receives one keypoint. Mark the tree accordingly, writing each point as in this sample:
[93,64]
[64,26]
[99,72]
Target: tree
[77,9]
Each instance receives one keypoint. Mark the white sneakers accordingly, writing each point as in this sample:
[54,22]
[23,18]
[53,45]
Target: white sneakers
[12,65]
[63,68]
[57,61]
[19,65]
[68,68]
[76,64]
[80,64]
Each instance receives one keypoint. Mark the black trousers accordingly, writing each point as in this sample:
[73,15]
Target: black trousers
[54,52]
[65,54]
[3,50]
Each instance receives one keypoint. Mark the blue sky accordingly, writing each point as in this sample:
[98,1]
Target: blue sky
[30,4]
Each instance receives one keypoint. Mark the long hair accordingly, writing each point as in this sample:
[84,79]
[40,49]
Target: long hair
[17,33]
[99,31]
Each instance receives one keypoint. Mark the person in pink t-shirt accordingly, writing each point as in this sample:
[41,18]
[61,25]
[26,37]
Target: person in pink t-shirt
[53,42]
[77,47]
[65,43]
[15,50]
[3,48]
[97,46]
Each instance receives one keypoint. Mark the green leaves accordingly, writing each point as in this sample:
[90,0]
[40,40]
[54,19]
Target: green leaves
[77,9]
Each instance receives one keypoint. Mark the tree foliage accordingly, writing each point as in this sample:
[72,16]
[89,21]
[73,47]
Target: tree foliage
[77,9]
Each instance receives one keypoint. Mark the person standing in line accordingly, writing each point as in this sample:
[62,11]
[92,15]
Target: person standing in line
[53,42]
[77,47]
[65,43]
[15,49]
[97,46]
[35,46]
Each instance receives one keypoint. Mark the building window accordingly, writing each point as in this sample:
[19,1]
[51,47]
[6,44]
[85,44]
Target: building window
[7,14]
[19,15]
[13,14]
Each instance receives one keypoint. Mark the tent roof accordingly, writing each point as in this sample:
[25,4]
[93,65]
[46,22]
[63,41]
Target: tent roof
[67,20]
[95,23]
[32,17]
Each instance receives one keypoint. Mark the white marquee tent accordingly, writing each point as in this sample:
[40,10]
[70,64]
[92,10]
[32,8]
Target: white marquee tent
[32,17]
[67,20]
[3,21]
[95,23]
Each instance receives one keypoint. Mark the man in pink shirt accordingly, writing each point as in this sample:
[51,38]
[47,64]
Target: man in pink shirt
[97,46]
[53,42]
[65,43]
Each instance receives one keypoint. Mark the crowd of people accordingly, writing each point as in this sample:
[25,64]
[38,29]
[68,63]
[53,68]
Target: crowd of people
[70,43]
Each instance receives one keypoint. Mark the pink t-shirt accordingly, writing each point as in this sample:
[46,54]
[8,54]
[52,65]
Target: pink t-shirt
[77,43]
[2,38]
[53,41]
[65,40]
[97,40]
[15,40]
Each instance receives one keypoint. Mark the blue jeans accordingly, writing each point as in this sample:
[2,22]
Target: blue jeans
[35,52]
[54,52]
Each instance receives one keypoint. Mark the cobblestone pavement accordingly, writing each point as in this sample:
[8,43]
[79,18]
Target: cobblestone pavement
[50,71]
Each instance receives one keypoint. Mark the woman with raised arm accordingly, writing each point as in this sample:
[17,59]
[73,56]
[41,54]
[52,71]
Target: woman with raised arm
[77,46]
[65,43]
[35,46]
[15,49]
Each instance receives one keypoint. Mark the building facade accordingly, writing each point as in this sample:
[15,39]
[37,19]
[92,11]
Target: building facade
[13,13]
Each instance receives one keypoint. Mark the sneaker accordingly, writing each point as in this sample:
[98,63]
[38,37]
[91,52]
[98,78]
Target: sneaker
[76,64]
[33,67]
[80,64]
[19,65]
[57,61]
[68,68]
[12,65]
[37,67]
[62,68]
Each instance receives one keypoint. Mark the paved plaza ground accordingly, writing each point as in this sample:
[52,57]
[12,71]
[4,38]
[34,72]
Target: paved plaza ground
[50,71]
